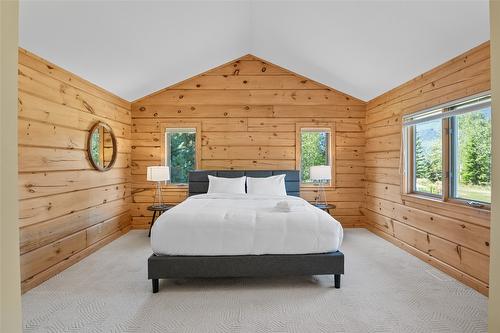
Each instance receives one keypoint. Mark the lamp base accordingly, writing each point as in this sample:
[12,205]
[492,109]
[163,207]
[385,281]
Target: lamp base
[319,200]
[158,199]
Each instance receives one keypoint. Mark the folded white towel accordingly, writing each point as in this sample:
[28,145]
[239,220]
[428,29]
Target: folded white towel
[290,206]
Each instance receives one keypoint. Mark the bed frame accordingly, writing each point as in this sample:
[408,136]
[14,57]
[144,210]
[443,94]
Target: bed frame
[175,267]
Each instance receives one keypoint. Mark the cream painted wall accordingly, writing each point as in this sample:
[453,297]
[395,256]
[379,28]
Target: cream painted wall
[10,291]
[494,306]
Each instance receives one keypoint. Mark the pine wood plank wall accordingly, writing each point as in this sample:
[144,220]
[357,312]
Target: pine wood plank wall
[248,111]
[66,208]
[454,239]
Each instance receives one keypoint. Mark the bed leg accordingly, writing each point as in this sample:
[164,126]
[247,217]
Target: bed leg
[156,285]
[337,281]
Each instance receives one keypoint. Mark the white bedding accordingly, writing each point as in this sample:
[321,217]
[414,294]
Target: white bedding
[242,224]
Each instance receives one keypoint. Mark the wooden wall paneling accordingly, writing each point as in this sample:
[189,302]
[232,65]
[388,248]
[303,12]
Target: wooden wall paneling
[248,164]
[170,195]
[255,97]
[241,82]
[42,258]
[106,228]
[200,111]
[40,209]
[33,133]
[479,217]
[320,111]
[451,237]
[37,184]
[467,279]
[37,108]
[40,234]
[225,125]
[248,67]
[288,124]
[444,250]
[67,209]
[35,159]
[248,111]
[247,153]
[42,276]
[43,86]
[249,138]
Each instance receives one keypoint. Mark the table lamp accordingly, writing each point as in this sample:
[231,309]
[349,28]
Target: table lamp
[320,174]
[158,174]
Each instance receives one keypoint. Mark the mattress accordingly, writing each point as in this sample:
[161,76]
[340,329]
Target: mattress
[230,224]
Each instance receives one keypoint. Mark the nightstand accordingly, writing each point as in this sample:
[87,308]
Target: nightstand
[157,209]
[325,207]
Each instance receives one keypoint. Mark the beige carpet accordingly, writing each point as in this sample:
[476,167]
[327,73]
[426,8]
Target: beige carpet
[384,290]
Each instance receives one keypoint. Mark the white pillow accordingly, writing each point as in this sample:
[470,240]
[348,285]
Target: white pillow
[226,185]
[274,185]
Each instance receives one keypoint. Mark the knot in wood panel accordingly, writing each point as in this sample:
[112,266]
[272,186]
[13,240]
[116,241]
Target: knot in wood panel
[88,106]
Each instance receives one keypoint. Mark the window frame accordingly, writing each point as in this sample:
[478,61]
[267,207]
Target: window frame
[448,150]
[330,127]
[411,181]
[179,124]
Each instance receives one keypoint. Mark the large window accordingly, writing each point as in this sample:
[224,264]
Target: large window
[181,148]
[448,152]
[315,148]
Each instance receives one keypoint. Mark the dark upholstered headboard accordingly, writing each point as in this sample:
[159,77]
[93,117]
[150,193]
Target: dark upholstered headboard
[198,180]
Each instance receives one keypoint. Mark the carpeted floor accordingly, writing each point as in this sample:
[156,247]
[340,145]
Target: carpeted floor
[384,290]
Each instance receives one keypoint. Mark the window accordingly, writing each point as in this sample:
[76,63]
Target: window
[181,148]
[314,143]
[448,152]
[428,157]
[471,155]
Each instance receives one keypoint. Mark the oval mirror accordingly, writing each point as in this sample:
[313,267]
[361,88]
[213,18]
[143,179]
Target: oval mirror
[101,146]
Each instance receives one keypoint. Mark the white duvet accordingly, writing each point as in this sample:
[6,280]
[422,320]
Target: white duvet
[232,224]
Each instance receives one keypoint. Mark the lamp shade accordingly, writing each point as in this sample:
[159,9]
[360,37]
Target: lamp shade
[321,172]
[158,173]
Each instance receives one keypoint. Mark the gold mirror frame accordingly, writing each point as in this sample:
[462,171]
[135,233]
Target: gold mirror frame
[96,166]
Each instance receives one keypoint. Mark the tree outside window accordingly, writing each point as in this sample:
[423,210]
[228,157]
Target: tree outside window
[315,147]
[181,153]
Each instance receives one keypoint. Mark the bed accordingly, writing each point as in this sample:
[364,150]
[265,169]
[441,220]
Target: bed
[216,235]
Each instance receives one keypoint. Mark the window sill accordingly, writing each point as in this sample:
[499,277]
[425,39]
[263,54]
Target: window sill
[447,205]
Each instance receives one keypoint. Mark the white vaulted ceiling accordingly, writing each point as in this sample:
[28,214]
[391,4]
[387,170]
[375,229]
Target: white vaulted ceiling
[363,48]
